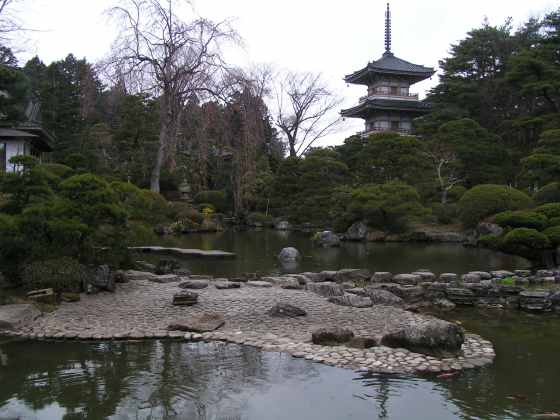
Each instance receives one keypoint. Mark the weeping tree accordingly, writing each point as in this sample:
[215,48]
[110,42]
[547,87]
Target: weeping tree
[159,53]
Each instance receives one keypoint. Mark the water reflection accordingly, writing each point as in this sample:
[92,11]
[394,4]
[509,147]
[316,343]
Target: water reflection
[257,252]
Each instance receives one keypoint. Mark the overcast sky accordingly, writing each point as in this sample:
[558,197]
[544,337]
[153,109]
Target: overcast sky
[327,36]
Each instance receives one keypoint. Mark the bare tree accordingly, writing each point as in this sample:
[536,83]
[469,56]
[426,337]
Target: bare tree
[159,53]
[9,22]
[305,106]
[446,165]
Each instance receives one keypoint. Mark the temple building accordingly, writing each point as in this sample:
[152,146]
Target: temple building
[389,105]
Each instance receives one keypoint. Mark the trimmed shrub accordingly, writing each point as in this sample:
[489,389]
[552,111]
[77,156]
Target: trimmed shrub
[522,218]
[217,198]
[525,242]
[61,171]
[488,199]
[550,210]
[445,214]
[257,217]
[550,193]
[553,235]
[555,221]
[490,241]
[183,211]
[62,275]
[456,192]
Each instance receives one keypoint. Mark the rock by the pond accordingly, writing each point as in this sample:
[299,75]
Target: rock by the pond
[382,297]
[484,275]
[407,279]
[282,225]
[164,266]
[357,232]
[258,283]
[331,336]
[429,336]
[501,274]
[42,296]
[289,254]
[425,275]
[470,278]
[193,284]
[185,298]
[285,282]
[408,293]
[165,278]
[352,275]
[102,278]
[460,296]
[15,317]
[120,277]
[226,284]
[326,289]
[326,239]
[286,310]
[444,304]
[135,275]
[485,228]
[535,300]
[70,297]
[205,322]
[351,300]
[382,277]
[448,277]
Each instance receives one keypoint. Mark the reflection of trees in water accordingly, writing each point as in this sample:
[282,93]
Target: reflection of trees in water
[157,379]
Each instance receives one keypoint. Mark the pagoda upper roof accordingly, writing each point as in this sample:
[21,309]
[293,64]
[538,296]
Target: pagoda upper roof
[372,104]
[389,64]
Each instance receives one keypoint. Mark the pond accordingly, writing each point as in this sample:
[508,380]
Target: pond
[257,251]
[176,380]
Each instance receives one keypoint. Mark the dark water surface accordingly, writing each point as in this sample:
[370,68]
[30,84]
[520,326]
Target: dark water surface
[175,380]
[257,251]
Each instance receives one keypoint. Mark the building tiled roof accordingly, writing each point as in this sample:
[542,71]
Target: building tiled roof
[381,104]
[390,64]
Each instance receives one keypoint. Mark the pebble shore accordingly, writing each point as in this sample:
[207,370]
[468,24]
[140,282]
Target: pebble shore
[142,309]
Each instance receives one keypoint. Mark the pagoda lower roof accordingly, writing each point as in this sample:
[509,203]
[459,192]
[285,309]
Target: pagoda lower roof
[370,105]
[390,65]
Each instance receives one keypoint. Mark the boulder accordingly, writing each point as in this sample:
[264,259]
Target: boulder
[328,275]
[501,274]
[15,317]
[535,301]
[484,275]
[428,336]
[166,267]
[282,225]
[360,291]
[408,293]
[326,239]
[42,296]
[444,304]
[205,322]
[485,228]
[331,336]
[376,236]
[470,278]
[326,289]
[382,297]
[425,275]
[185,298]
[258,283]
[193,284]
[407,279]
[460,296]
[226,284]
[357,232]
[289,254]
[102,279]
[448,277]
[351,300]
[286,310]
[352,275]
[382,277]
[119,276]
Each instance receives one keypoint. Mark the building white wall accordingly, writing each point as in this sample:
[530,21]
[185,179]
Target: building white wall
[13,148]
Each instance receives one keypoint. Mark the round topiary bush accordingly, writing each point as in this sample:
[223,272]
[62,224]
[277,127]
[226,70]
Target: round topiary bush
[217,198]
[525,242]
[553,235]
[550,210]
[522,218]
[488,199]
[550,193]
[62,275]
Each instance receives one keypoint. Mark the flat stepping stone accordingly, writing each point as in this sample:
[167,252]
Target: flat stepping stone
[286,310]
[165,278]
[199,324]
[14,317]
[185,298]
[224,285]
[193,284]
[258,283]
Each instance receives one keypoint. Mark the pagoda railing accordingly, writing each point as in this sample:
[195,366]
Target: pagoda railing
[390,96]
[402,131]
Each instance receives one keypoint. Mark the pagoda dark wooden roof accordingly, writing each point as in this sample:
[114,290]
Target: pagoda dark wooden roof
[389,64]
[364,109]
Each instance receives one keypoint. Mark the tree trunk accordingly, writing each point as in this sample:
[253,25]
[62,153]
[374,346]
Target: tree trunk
[444,196]
[156,171]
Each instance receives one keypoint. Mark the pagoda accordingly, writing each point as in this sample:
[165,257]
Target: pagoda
[389,105]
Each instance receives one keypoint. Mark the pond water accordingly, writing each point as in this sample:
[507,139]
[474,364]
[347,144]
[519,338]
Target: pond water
[257,251]
[175,380]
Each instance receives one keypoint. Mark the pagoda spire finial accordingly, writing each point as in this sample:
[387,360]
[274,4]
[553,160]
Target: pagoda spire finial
[388,31]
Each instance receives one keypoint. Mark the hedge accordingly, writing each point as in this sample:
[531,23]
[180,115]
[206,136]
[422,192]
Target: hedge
[550,193]
[522,218]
